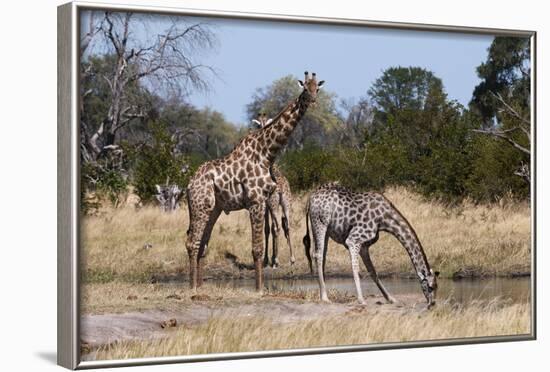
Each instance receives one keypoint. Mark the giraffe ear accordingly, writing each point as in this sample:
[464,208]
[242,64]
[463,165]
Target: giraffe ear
[256,122]
[301,83]
[268,121]
[320,85]
[159,189]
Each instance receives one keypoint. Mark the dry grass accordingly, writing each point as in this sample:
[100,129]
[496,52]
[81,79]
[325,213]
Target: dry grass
[492,240]
[115,297]
[124,248]
[230,334]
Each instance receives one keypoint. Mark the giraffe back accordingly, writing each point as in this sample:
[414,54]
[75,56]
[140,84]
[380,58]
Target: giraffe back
[341,210]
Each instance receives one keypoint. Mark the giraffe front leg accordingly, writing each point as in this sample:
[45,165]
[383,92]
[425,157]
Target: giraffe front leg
[372,271]
[201,203]
[193,246]
[257,213]
[354,247]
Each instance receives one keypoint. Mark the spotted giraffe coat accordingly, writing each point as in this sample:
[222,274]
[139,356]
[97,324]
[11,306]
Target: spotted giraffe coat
[355,220]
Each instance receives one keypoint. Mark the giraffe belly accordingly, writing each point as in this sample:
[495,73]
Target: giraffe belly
[231,201]
[338,233]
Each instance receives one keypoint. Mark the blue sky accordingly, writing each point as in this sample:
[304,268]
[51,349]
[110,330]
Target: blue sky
[252,54]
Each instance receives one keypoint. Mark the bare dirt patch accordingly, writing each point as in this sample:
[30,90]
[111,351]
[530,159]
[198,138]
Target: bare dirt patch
[103,329]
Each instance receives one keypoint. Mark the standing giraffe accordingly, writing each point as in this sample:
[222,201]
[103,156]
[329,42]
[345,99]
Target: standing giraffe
[354,220]
[241,180]
[282,197]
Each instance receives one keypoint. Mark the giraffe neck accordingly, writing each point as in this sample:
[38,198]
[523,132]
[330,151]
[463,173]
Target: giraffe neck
[403,231]
[275,136]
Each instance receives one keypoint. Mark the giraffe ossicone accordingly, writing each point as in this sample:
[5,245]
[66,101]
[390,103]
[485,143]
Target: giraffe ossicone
[262,120]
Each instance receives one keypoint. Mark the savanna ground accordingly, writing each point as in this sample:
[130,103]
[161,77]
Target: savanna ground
[129,310]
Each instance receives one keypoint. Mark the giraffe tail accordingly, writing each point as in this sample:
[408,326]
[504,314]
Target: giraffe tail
[307,240]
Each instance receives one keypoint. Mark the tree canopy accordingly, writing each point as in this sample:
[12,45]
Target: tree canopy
[404,131]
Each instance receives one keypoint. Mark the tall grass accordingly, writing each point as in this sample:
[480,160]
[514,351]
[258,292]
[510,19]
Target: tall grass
[132,245]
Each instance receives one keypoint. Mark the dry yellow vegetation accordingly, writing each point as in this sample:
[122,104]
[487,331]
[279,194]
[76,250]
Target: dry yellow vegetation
[133,245]
[230,334]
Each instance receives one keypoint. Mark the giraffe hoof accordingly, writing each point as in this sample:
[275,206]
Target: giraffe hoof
[292,260]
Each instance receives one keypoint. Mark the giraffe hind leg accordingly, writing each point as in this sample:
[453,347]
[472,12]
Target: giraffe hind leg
[266,233]
[320,240]
[275,237]
[273,209]
[204,244]
[286,229]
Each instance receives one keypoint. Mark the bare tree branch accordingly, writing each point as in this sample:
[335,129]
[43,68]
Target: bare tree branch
[111,34]
[510,110]
[93,29]
[167,59]
[503,135]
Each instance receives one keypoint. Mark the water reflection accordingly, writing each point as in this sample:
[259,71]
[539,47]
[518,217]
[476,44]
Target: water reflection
[463,291]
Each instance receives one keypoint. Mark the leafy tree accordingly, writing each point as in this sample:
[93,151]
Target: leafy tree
[506,72]
[502,99]
[307,167]
[420,137]
[490,178]
[203,132]
[158,163]
[407,102]
[119,70]
[166,63]
[403,88]
[357,122]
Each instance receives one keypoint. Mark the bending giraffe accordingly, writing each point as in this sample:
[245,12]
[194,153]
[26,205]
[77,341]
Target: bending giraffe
[241,180]
[279,200]
[355,220]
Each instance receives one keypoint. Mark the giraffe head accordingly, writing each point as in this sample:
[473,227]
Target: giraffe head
[428,281]
[311,87]
[262,120]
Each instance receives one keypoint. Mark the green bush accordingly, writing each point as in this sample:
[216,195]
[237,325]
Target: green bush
[106,180]
[307,167]
[158,163]
[492,176]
